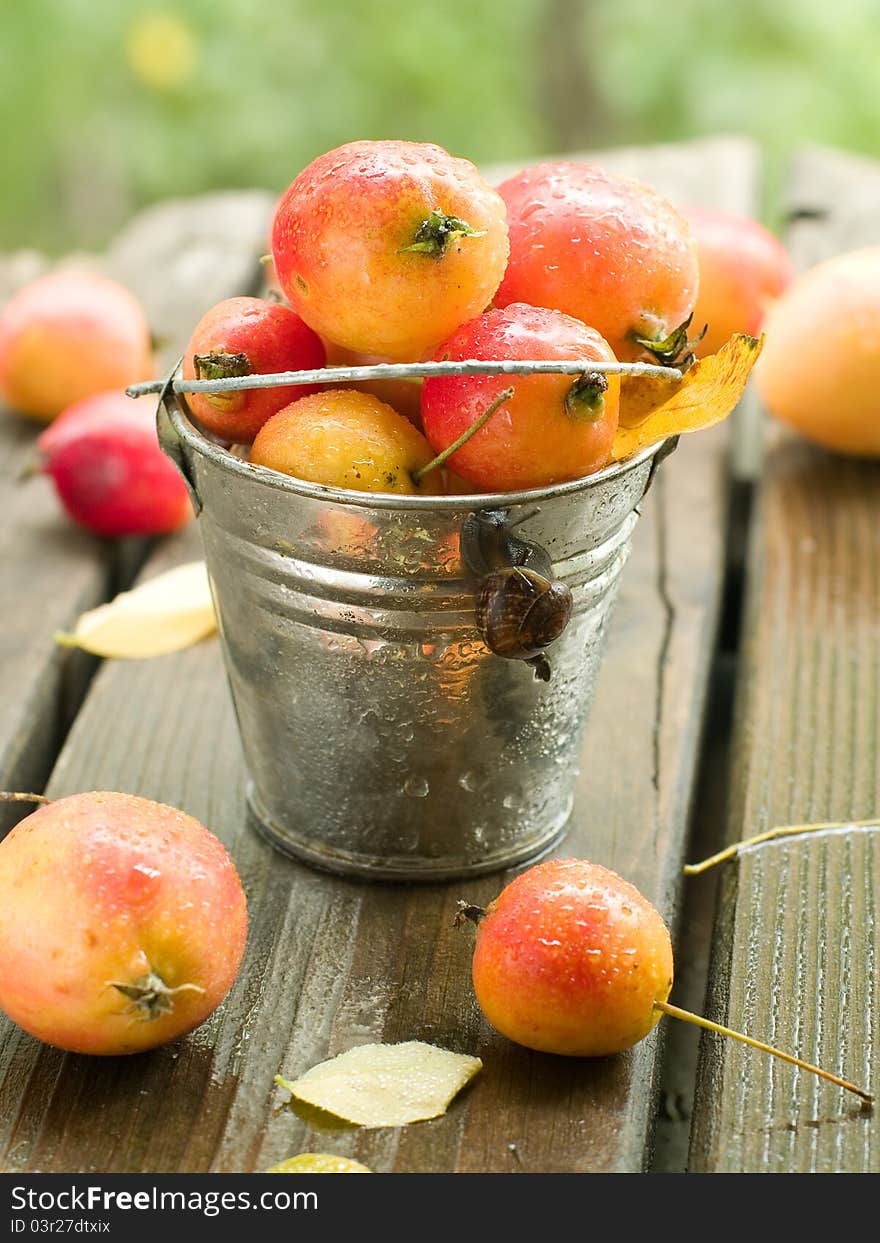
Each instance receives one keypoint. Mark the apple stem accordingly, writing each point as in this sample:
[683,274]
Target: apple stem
[688,1017]
[16,796]
[467,911]
[503,396]
[787,830]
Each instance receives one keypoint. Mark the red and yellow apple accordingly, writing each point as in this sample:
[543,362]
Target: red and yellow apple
[386,247]
[570,958]
[122,923]
[68,335]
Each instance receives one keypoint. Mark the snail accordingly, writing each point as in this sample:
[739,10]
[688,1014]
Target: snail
[520,612]
[521,609]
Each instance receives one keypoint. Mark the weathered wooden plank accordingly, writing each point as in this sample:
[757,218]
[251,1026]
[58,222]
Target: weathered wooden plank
[178,259]
[795,949]
[331,963]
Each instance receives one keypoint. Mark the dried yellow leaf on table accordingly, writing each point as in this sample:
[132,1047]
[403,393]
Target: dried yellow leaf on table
[162,615]
[385,1084]
[652,408]
[319,1163]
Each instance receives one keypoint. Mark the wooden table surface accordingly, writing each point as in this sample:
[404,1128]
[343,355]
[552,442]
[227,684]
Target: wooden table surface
[739,691]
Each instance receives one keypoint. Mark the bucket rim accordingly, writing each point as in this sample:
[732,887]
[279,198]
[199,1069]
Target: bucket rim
[197,441]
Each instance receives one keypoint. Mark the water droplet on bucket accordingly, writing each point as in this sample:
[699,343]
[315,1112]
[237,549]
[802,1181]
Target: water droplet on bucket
[416,787]
[468,781]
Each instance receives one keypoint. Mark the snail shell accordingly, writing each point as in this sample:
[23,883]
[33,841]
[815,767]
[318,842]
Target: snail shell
[520,612]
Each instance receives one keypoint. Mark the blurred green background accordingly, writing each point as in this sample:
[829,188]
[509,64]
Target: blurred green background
[106,105]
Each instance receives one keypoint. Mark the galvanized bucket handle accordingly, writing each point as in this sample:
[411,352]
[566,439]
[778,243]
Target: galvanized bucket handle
[521,607]
[169,441]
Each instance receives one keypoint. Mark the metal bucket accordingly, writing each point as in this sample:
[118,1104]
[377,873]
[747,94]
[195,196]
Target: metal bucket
[381,735]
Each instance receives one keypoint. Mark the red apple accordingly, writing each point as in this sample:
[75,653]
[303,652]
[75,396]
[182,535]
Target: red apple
[122,923]
[554,428]
[248,336]
[103,456]
[743,270]
[572,959]
[606,249]
[386,247]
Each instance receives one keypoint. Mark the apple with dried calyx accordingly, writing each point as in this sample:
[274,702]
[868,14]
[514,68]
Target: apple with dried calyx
[248,336]
[606,249]
[122,923]
[552,428]
[384,248]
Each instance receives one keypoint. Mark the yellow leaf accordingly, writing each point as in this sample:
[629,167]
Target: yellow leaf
[319,1163]
[162,615]
[377,1085]
[653,408]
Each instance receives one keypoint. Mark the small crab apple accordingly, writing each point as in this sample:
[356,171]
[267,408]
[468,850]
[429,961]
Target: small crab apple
[570,958]
[404,396]
[553,428]
[743,270]
[345,439]
[606,249]
[103,457]
[821,359]
[386,247]
[248,336]
[122,923]
[67,335]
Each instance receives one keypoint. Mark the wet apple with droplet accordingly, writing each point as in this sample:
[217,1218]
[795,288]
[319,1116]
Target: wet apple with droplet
[122,923]
[344,438]
[386,247]
[248,336]
[554,427]
[607,249]
[570,958]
